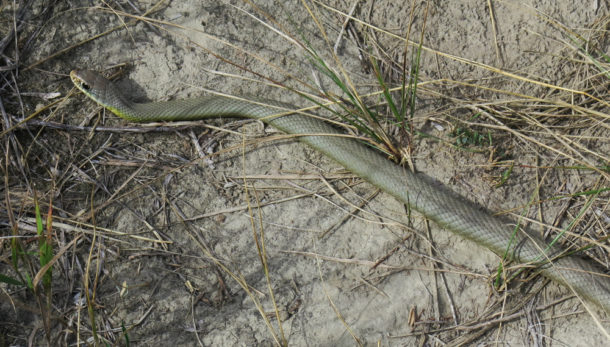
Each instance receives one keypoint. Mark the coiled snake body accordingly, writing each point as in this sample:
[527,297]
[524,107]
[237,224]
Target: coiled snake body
[420,192]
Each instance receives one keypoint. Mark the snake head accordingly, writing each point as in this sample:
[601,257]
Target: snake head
[89,82]
[102,91]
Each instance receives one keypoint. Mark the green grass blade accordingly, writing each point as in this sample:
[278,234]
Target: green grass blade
[10,280]
[386,92]
[45,250]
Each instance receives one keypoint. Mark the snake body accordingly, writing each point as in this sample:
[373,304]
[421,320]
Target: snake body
[422,193]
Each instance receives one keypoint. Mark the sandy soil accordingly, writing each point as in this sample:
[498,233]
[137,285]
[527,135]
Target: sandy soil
[172,207]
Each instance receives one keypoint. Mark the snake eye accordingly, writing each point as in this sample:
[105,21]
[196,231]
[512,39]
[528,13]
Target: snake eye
[85,86]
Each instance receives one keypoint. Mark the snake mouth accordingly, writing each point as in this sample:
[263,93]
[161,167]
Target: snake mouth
[78,81]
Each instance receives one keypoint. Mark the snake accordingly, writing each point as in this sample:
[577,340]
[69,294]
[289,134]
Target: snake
[420,192]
